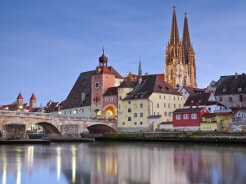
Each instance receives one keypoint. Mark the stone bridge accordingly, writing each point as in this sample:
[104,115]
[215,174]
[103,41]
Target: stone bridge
[14,124]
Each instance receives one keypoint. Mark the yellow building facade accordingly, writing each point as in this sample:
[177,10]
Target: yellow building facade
[142,107]
[216,122]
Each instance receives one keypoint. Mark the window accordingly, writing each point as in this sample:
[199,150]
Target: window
[141,114]
[157,105]
[165,113]
[129,110]
[169,105]
[141,105]
[239,89]
[82,97]
[135,123]
[141,122]
[193,116]
[164,105]
[173,97]
[178,117]
[135,115]
[123,123]
[129,102]
[230,98]
[221,98]
[129,118]
[174,106]
[170,114]
[164,97]
[120,97]
[160,96]
[186,116]
[241,98]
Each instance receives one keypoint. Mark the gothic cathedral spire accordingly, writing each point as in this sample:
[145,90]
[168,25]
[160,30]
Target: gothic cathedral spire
[174,38]
[180,66]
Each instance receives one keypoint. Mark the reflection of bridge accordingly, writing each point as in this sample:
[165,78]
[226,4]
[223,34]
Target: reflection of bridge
[16,124]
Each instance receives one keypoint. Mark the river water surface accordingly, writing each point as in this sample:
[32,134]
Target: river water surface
[123,163]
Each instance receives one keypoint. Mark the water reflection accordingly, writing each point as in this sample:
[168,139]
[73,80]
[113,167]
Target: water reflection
[124,163]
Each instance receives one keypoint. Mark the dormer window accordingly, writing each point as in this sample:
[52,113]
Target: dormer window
[224,90]
[239,89]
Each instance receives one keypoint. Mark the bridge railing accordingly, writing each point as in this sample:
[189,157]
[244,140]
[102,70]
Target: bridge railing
[50,116]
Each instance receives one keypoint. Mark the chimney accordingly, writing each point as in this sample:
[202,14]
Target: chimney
[235,75]
[191,103]
[197,104]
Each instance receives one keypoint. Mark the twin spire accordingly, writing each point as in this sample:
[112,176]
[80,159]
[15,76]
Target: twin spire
[174,37]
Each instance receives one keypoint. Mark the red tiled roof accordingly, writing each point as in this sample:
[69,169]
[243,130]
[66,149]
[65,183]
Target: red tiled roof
[111,91]
[188,110]
[20,97]
[33,97]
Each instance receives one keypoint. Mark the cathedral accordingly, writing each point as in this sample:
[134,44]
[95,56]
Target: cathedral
[180,66]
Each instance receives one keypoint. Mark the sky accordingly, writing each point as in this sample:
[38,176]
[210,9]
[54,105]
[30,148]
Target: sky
[46,44]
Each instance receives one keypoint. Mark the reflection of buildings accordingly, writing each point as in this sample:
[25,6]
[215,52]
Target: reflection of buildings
[100,163]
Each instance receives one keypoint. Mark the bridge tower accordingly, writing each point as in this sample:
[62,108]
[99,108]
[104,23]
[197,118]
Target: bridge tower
[102,79]
[19,101]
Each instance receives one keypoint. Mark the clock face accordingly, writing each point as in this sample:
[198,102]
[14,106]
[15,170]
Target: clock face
[97,84]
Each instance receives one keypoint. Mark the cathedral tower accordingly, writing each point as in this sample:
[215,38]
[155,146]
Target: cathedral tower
[180,68]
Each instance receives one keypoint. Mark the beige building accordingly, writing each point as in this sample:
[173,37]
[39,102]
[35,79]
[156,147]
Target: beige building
[145,103]
[231,90]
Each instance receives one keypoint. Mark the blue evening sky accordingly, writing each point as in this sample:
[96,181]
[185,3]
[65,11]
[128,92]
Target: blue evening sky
[46,44]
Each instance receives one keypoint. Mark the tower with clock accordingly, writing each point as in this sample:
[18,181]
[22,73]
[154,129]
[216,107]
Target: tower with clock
[102,79]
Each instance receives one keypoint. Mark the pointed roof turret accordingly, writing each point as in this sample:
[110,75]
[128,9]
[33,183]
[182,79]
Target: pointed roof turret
[103,60]
[20,97]
[33,98]
[174,38]
[139,69]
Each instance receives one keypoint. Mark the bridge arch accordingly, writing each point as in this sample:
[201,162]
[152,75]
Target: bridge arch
[100,129]
[49,128]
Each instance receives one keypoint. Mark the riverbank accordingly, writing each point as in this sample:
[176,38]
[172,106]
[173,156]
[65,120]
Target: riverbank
[44,141]
[198,137]
[24,141]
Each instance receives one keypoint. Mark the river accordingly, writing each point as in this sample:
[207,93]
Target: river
[123,163]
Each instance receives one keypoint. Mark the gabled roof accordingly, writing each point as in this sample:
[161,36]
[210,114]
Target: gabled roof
[232,84]
[199,109]
[197,99]
[192,90]
[148,85]
[201,100]
[82,85]
[114,72]
[52,106]
[111,91]
[107,70]
[127,83]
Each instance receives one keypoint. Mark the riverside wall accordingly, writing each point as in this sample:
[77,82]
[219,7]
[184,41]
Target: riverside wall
[199,137]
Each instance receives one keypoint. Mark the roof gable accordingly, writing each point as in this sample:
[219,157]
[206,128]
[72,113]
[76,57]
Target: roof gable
[232,84]
[82,85]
